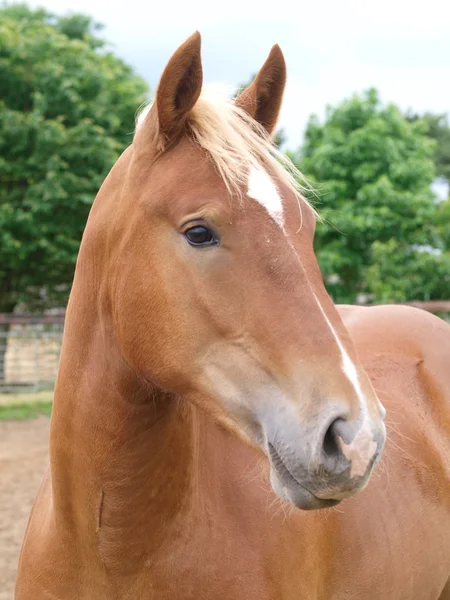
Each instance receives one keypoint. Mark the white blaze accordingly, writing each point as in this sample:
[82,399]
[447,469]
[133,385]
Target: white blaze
[360,451]
[347,364]
[262,189]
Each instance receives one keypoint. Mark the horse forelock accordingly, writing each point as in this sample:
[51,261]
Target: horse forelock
[237,145]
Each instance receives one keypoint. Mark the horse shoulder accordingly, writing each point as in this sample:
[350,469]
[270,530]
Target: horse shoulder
[405,334]
[406,353]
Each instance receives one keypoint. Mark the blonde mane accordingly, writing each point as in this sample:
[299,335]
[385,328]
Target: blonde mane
[236,143]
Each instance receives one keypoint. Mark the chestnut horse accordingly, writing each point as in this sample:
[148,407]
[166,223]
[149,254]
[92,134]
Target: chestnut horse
[205,372]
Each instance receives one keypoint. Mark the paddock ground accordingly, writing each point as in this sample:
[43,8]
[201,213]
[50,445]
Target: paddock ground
[23,460]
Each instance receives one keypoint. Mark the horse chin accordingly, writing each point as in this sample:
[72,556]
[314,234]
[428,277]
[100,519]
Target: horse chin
[296,494]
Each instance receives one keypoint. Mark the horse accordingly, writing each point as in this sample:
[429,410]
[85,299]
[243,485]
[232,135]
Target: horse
[220,429]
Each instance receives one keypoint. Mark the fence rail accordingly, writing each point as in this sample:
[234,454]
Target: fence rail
[433,306]
[30,345]
[32,319]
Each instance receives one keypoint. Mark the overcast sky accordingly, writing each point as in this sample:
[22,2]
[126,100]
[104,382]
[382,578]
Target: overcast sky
[332,47]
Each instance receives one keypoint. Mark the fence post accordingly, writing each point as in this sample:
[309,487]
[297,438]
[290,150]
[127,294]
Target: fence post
[36,360]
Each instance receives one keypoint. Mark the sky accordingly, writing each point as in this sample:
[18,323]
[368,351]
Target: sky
[333,48]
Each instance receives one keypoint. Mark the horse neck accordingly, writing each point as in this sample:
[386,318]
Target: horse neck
[120,450]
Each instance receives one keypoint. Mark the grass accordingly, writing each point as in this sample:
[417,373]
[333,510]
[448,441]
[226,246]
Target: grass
[25,406]
[20,412]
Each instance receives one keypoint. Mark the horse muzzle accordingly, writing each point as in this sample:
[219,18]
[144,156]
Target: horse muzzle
[315,469]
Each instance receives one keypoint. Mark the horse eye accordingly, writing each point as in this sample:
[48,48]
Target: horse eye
[201,236]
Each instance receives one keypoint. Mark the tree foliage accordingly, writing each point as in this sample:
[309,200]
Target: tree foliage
[67,108]
[382,235]
[438,129]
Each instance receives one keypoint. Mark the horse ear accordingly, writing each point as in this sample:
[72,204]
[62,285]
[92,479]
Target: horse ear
[262,99]
[178,90]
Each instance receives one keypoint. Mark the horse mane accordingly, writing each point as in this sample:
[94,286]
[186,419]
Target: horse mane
[235,142]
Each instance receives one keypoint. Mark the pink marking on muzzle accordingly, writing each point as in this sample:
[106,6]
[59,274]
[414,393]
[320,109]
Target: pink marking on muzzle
[360,451]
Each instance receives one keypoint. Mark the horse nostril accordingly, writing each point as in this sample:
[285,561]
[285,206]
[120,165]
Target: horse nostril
[330,444]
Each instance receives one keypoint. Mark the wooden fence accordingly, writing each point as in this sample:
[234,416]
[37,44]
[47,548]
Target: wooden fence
[433,306]
[30,345]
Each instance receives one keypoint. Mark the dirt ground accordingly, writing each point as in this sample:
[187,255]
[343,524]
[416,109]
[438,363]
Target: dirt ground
[23,460]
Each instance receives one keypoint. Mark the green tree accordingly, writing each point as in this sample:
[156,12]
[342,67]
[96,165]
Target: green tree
[443,223]
[400,273]
[438,129]
[67,108]
[373,170]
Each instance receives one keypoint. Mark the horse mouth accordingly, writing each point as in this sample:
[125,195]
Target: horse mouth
[288,488]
